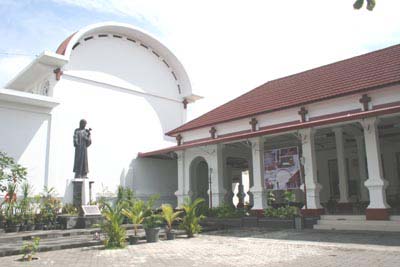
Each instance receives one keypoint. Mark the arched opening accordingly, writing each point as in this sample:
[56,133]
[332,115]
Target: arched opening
[199,179]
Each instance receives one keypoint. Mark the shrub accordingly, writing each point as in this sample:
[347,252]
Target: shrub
[286,212]
[30,248]
[135,213]
[112,226]
[10,172]
[50,205]
[69,209]
[169,215]
[191,220]
[226,211]
[152,221]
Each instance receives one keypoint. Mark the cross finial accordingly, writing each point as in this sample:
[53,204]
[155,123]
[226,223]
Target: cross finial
[185,103]
[303,112]
[58,73]
[365,99]
[179,139]
[213,131]
[253,124]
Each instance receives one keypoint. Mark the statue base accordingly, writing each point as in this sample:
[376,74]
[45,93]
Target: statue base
[80,192]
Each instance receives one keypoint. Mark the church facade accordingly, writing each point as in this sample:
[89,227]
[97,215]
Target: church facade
[330,134]
[129,88]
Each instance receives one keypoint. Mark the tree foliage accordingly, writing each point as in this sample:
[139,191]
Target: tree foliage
[10,172]
[359,4]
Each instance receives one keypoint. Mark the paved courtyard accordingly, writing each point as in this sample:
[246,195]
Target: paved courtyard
[242,247]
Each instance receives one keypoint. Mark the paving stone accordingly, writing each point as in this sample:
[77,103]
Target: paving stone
[243,247]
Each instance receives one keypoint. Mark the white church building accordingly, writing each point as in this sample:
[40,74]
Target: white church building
[330,134]
[129,87]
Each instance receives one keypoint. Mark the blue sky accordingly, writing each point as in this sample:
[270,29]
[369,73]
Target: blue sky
[31,26]
[227,46]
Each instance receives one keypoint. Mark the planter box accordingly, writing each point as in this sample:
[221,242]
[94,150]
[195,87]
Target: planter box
[78,222]
[152,235]
[276,223]
[250,221]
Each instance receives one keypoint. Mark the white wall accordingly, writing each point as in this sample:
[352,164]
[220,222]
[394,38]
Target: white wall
[23,136]
[154,176]
[129,98]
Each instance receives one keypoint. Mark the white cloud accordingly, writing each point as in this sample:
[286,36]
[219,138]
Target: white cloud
[228,47]
[10,66]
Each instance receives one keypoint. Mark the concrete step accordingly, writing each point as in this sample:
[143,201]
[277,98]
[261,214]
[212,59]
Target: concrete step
[48,234]
[343,217]
[360,227]
[370,223]
[395,218]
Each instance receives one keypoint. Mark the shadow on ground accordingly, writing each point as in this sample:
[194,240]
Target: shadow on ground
[344,237]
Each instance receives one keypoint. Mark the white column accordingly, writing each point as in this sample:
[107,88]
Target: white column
[342,170]
[257,190]
[311,187]
[181,193]
[362,167]
[216,163]
[376,183]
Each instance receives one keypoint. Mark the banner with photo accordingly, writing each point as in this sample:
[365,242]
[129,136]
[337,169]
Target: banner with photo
[282,168]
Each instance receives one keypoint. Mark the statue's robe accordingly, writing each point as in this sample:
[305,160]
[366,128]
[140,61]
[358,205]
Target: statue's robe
[81,141]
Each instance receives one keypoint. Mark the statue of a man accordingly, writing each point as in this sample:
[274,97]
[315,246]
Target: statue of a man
[81,141]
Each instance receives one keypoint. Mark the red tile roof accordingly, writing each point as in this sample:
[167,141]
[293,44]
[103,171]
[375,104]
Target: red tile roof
[349,76]
[63,46]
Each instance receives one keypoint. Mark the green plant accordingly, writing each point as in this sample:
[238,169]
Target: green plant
[69,209]
[112,225]
[30,248]
[50,205]
[124,194]
[25,204]
[286,212]
[270,198]
[10,206]
[135,213]
[227,211]
[169,215]
[10,171]
[289,196]
[152,221]
[191,220]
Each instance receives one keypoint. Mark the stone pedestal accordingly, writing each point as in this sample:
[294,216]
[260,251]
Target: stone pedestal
[82,191]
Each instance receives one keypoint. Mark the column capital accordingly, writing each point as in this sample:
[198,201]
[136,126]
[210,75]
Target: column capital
[306,132]
[255,140]
[369,123]
[337,129]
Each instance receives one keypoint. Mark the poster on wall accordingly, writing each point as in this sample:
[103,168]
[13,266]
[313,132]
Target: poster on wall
[282,168]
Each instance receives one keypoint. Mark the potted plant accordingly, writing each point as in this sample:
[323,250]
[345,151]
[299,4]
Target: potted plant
[30,248]
[136,214]
[191,221]
[112,226]
[169,217]
[151,226]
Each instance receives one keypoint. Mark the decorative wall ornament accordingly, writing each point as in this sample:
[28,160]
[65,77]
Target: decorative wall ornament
[185,102]
[365,100]
[179,139]
[303,112]
[253,122]
[213,132]
[58,72]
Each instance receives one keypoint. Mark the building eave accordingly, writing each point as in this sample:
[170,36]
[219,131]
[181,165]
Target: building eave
[333,119]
